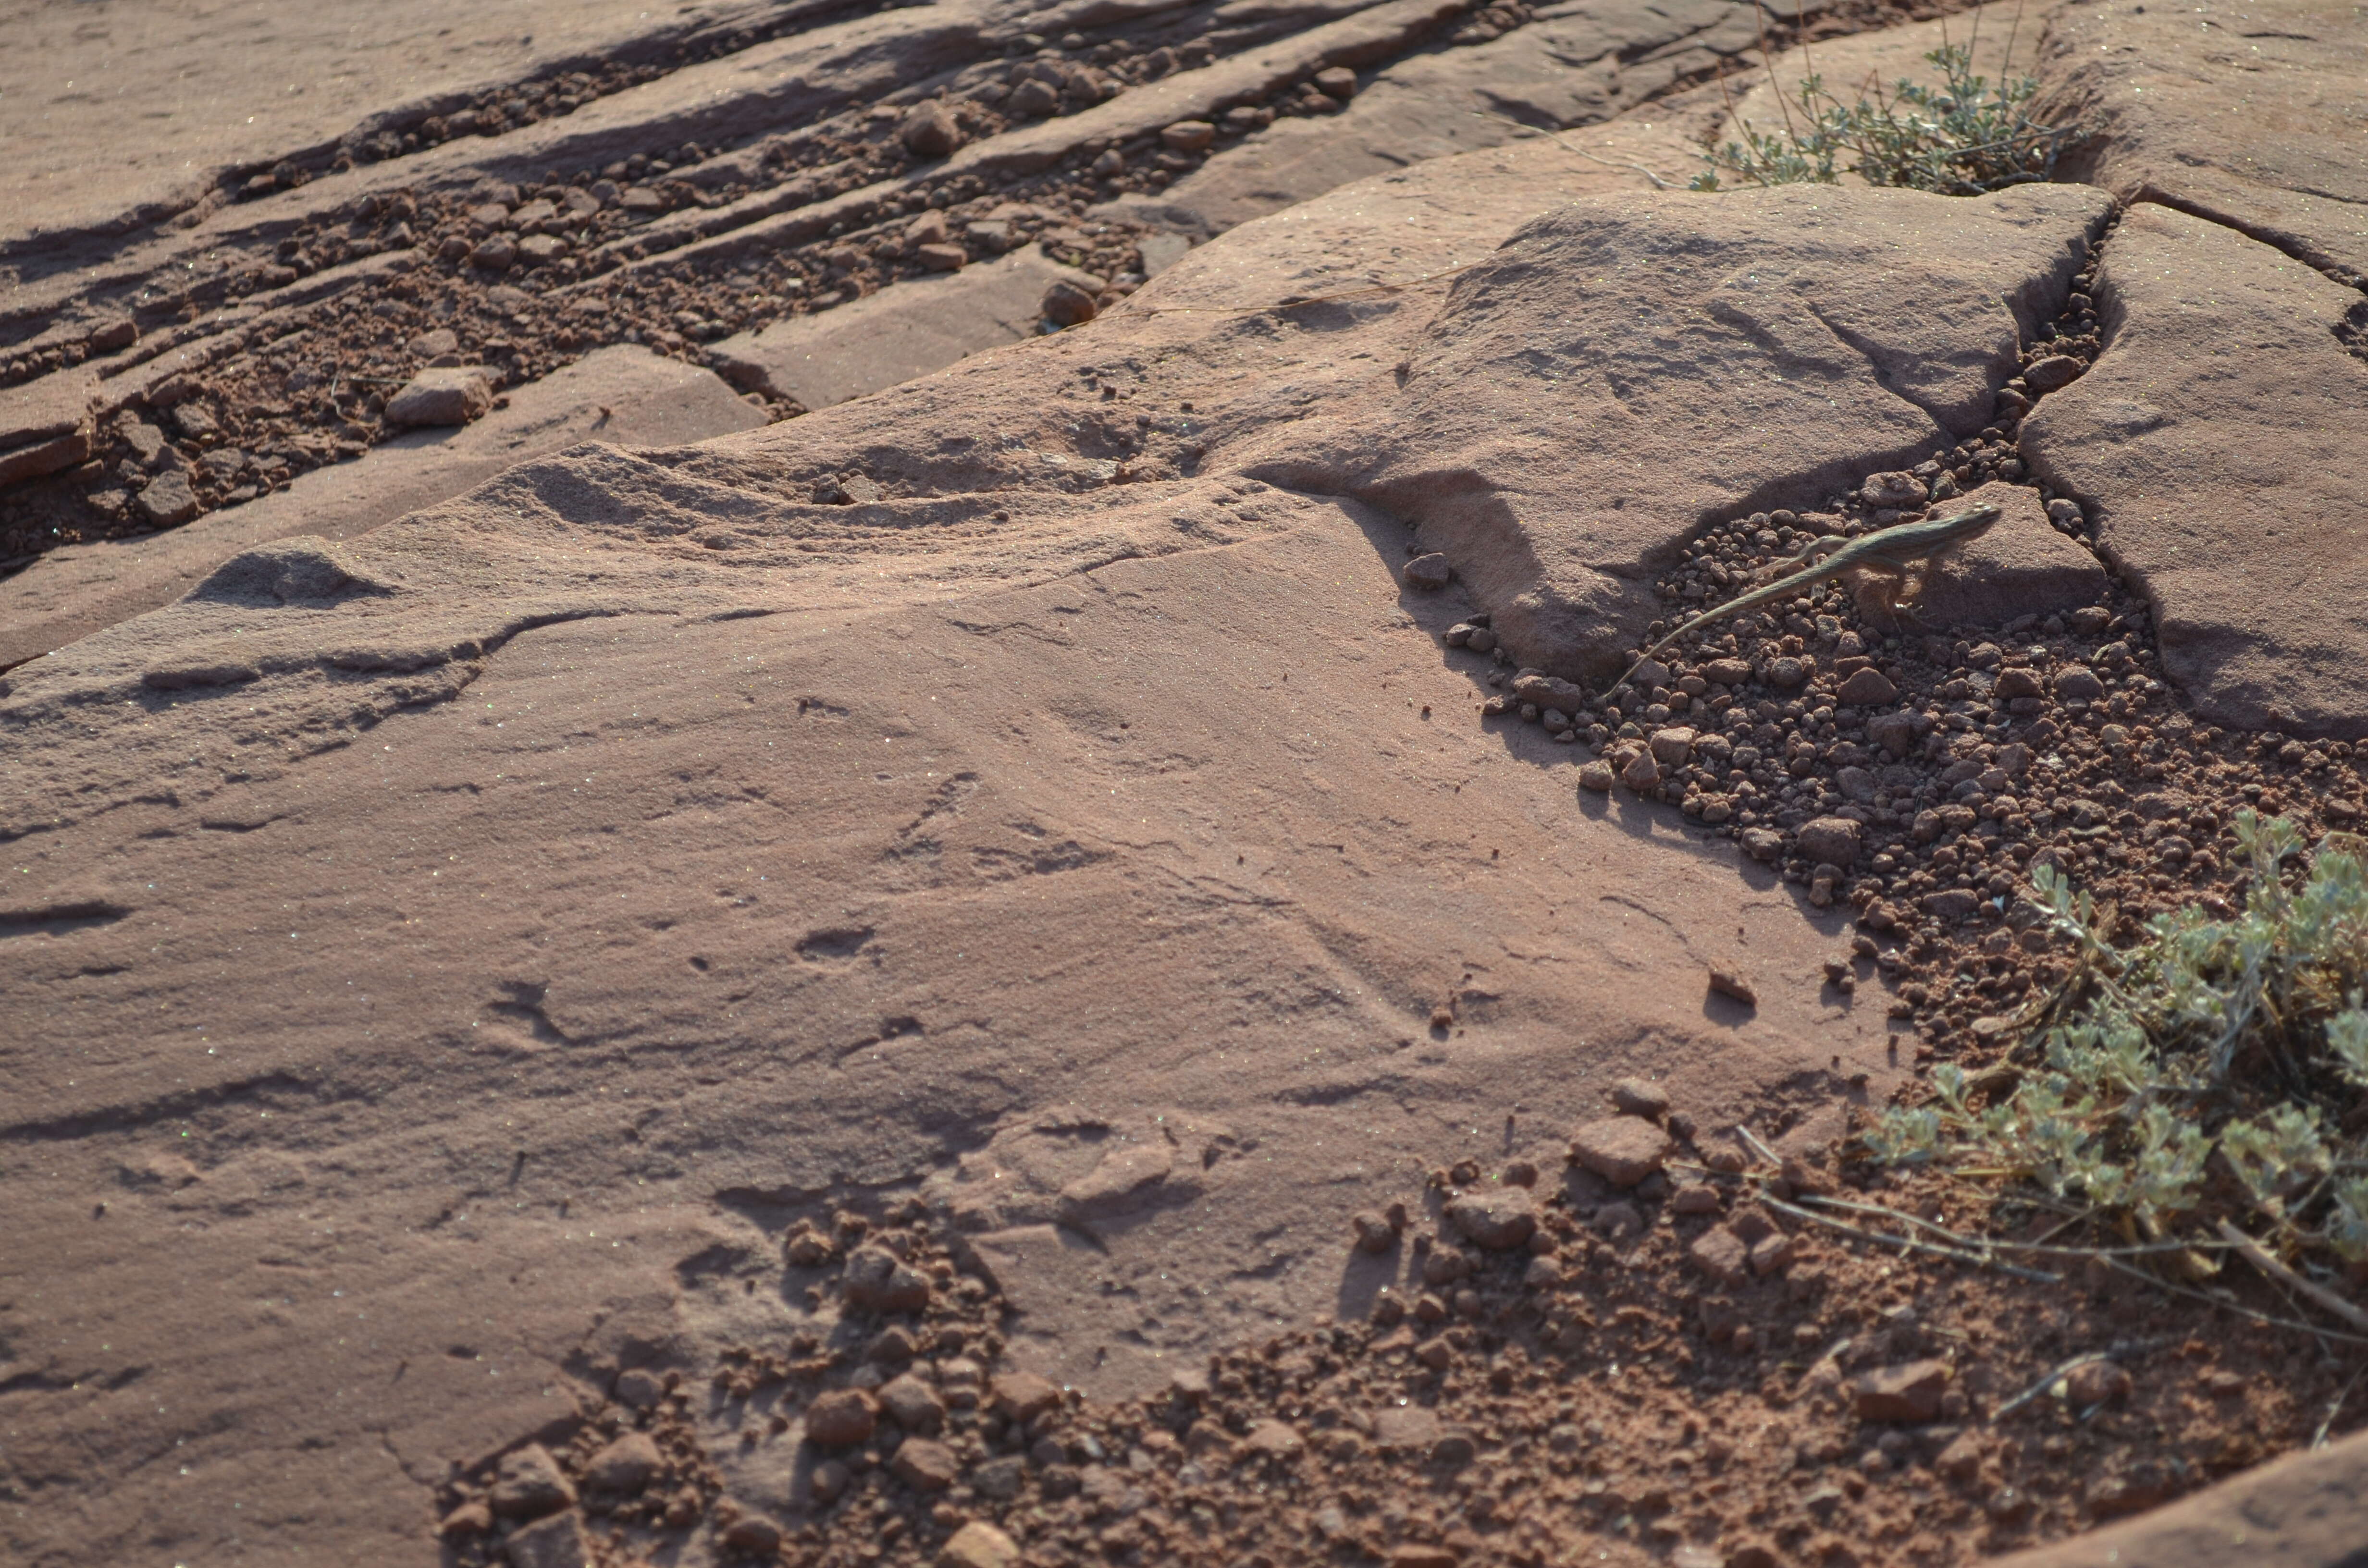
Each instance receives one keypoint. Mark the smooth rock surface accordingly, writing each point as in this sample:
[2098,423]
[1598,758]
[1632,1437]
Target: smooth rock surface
[625,396]
[2247,115]
[213,89]
[2304,1510]
[909,330]
[1583,66]
[2219,442]
[890,761]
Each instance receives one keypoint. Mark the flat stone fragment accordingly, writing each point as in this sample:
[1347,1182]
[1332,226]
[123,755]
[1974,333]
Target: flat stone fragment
[452,394]
[1406,1428]
[1910,1392]
[753,1533]
[2221,442]
[530,1484]
[1866,689]
[44,456]
[841,1417]
[625,1465]
[1622,1150]
[1671,747]
[1640,1096]
[1275,1440]
[907,330]
[929,132]
[167,501]
[1727,983]
[1552,691]
[1429,572]
[1024,1396]
[41,410]
[915,1406]
[1721,1254]
[878,1280]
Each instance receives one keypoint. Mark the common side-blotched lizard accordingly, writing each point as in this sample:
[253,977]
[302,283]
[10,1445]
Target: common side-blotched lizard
[1889,554]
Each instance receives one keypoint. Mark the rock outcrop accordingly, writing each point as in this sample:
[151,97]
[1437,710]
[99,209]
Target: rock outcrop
[2220,439]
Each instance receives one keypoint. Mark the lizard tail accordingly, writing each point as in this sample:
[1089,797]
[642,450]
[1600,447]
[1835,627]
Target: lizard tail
[1647,657]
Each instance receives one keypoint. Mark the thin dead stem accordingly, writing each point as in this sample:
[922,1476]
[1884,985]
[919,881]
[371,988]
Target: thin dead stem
[2325,1301]
[2066,1369]
[1768,58]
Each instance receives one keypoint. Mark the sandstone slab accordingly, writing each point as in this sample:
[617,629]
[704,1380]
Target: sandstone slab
[2301,1511]
[2248,116]
[1710,355]
[45,425]
[625,396]
[1584,65]
[917,327]
[493,776]
[2023,565]
[2218,442]
[212,93]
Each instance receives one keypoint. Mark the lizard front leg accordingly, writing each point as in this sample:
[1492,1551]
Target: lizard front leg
[1877,587]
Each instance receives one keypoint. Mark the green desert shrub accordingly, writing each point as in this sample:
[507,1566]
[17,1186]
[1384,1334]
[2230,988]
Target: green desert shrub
[1961,139]
[2217,1068]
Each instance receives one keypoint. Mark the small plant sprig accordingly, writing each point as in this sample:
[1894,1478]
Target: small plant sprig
[2244,1039]
[1963,139]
